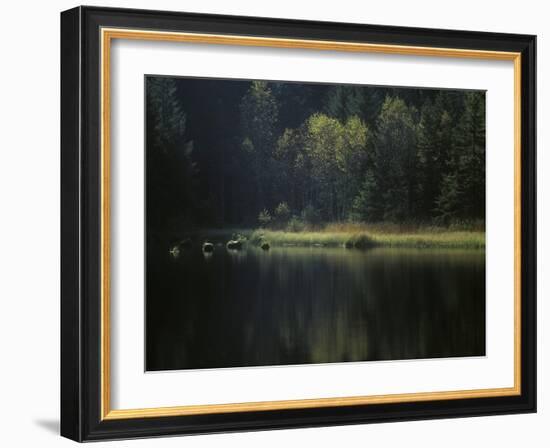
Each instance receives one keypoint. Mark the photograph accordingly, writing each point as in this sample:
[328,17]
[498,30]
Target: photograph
[289,220]
[291,223]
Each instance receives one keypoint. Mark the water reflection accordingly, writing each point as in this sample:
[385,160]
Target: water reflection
[312,305]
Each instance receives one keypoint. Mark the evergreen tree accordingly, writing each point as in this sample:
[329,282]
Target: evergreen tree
[171,195]
[344,101]
[392,177]
[471,144]
[462,193]
[435,140]
[165,117]
[259,116]
[296,167]
[368,204]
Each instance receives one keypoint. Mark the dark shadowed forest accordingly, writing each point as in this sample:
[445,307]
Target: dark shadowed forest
[296,156]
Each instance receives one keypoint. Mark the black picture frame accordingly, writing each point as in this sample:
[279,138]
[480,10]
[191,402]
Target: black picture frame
[81,224]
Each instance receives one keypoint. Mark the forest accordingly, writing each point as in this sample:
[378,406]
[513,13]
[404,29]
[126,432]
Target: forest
[296,157]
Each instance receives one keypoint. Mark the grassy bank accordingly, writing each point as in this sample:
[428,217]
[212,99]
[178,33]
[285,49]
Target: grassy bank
[365,236]
[350,235]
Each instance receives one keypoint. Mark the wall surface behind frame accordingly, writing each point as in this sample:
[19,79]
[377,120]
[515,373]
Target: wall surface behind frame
[29,236]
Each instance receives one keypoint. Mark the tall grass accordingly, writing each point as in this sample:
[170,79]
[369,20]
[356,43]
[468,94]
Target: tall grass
[355,235]
[362,236]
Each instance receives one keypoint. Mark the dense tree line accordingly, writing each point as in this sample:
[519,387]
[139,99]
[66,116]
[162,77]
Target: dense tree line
[223,152]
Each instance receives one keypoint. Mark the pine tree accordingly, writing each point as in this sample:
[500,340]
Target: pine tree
[344,101]
[471,144]
[462,194]
[170,168]
[435,139]
[368,204]
[450,199]
[166,119]
[392,177]
[259,117]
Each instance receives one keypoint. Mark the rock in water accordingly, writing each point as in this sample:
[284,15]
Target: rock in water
[176,249]
[234,244]
[265,245]
[207,247]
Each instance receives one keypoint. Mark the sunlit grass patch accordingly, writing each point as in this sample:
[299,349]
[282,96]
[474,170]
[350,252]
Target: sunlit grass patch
[350,237]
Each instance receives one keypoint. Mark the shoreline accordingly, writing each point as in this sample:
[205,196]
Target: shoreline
[351,238]
[366,239]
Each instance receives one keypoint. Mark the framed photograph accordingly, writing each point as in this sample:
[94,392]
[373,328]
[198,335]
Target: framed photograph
[274,224]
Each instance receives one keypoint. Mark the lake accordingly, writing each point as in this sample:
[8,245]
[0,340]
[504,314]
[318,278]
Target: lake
[293,305]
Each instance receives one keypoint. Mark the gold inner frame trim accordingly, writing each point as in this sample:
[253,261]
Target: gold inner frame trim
[107,35]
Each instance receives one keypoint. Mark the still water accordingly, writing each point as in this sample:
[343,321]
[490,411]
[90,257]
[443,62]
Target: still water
[312,305]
